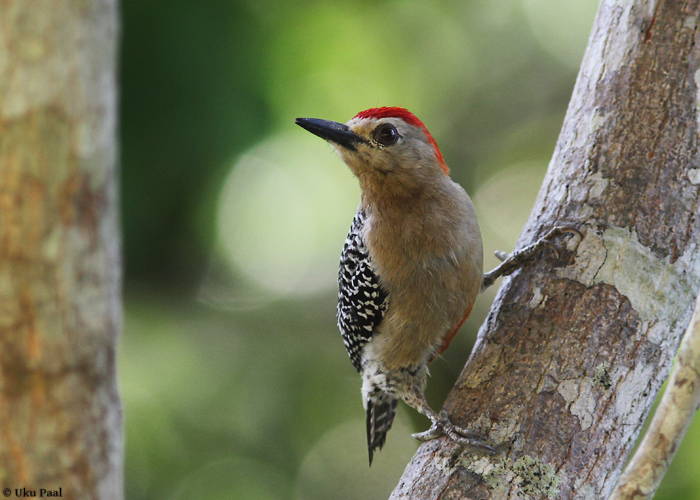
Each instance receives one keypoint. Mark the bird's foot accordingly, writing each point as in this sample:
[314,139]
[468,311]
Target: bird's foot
[462,437]
[514,261]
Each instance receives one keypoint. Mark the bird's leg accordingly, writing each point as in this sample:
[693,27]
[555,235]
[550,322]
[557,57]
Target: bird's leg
[514,261]
[441,425]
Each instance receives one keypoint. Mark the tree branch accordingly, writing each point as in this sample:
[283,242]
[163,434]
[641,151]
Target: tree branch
[670,423]
[572,356]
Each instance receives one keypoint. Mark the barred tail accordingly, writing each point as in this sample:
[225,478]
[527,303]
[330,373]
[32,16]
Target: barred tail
[381,410]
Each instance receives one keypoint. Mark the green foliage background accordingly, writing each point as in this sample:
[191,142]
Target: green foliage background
[234,379]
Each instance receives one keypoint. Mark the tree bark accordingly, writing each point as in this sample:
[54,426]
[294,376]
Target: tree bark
[672,418]
[60,273]
[575,349]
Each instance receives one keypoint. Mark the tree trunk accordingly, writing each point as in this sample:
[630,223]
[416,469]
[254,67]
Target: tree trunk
[575,349]
[60,275]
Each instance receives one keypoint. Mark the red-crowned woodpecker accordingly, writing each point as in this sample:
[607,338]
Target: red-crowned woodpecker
[411,267]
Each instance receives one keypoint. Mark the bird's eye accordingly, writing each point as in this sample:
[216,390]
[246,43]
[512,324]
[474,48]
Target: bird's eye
[386,134]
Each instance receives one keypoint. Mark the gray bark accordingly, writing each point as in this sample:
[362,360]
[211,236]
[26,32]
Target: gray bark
[574,352]
[671,420]
[60,274]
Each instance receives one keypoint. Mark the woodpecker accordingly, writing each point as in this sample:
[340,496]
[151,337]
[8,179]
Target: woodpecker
[411,267]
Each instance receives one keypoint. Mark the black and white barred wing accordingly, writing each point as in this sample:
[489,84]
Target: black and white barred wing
[361,300]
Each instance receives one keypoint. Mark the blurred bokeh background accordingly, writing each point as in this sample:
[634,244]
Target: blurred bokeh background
[234,379]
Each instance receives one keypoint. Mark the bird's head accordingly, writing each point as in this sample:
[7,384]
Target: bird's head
[387,148]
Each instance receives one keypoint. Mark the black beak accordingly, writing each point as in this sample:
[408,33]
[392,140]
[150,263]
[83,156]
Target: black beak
[338,133]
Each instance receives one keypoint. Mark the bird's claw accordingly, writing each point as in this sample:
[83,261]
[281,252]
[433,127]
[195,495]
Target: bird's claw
[547,242]
[462,437]
[433,433]
[559,230]
[511,262]
[551,246]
